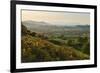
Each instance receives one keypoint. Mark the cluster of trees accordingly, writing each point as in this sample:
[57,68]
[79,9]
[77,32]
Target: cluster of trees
[80,43]
[38,49]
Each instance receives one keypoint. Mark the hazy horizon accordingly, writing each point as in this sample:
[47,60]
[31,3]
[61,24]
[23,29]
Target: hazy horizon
[58,18]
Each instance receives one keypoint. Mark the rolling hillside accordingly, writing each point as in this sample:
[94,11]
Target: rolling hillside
[37,48]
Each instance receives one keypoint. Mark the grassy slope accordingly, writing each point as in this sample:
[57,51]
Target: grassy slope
[49,51]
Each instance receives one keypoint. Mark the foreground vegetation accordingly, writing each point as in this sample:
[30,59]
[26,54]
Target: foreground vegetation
[35,47]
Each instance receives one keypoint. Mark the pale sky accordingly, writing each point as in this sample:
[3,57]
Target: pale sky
[56,17]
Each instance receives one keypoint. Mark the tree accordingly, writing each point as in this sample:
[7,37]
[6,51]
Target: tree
[86,48]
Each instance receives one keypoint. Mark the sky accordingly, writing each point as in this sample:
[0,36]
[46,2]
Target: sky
[56,17]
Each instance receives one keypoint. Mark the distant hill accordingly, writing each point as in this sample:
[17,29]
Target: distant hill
[68,29]
[42,25]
